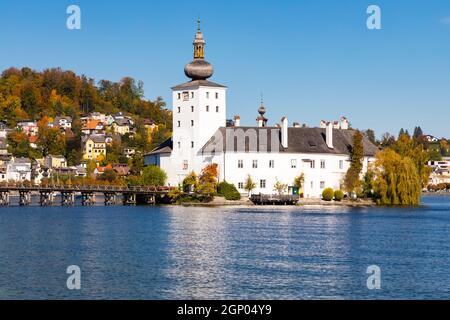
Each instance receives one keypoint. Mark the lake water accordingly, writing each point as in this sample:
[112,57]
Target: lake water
[226,253]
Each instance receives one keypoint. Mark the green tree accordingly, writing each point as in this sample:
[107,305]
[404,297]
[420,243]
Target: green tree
[397,181]
[352,177]
[190,183]
[153,176]
[280,187]
[249,185]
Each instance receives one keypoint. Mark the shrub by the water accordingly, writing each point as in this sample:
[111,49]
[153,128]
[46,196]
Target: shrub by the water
[338,195]
[328,194]
[228,191]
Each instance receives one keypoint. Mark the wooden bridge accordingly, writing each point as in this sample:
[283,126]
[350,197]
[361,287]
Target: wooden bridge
[68,193]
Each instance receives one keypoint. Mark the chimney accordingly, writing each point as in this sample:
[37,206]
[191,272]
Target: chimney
[259,122]
[344,124]
[237,121]
[284,132]
[329,135]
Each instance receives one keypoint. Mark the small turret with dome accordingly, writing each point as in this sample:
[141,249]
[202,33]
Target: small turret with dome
[199,68]
[262,120]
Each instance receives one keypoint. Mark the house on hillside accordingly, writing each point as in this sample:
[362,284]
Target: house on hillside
[28,127]
[94,146]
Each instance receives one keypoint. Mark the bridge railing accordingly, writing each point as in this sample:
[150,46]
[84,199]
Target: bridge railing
[83,188]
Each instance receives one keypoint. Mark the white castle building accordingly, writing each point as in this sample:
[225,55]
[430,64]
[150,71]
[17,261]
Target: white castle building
[267,153]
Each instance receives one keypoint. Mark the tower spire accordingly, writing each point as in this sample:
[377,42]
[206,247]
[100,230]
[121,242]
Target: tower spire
[199,43]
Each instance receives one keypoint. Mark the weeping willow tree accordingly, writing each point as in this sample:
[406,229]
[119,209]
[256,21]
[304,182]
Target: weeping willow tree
[400,173]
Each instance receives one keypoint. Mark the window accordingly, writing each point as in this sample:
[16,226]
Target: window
[240,185]
[262,184]
[312,184]
[179,124]
[192,95]
[271,164]
[313,164]
[240,164]
[179,145]
[322,164]
[192,144]
[255,164]
[341,164]
[207,95]
[322,184]
[192,123]
[179,96]
[185,165]
[217,95]
[207,108]
[192,109]
[179,109]
[217,109]
[185,96]
[293,164]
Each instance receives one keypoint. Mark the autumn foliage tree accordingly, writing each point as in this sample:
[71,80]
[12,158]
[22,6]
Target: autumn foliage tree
[207,185]
[50,140]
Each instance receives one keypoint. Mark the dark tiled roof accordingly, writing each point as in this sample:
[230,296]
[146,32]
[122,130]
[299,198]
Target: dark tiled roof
[94,137]
[165,147]
[300,140]
[197,83]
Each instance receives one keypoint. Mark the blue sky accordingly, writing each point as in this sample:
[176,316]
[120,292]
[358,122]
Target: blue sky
[312,60]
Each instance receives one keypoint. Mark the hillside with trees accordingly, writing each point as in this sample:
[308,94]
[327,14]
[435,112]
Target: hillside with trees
[26,94]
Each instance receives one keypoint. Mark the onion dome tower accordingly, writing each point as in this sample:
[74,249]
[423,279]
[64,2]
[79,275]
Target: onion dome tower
[199,68]
[262,120]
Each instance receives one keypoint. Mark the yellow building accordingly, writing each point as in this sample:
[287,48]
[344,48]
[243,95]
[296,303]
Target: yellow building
[55,161]
[94,146]
[121,126]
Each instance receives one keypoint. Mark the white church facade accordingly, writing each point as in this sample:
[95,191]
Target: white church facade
[201,136]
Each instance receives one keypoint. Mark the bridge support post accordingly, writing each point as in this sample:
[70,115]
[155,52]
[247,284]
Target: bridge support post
[150,199]
[87,199]
[46,198]
[67,199]
[129,199]
[4,198]
[24,198]
[110,199]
